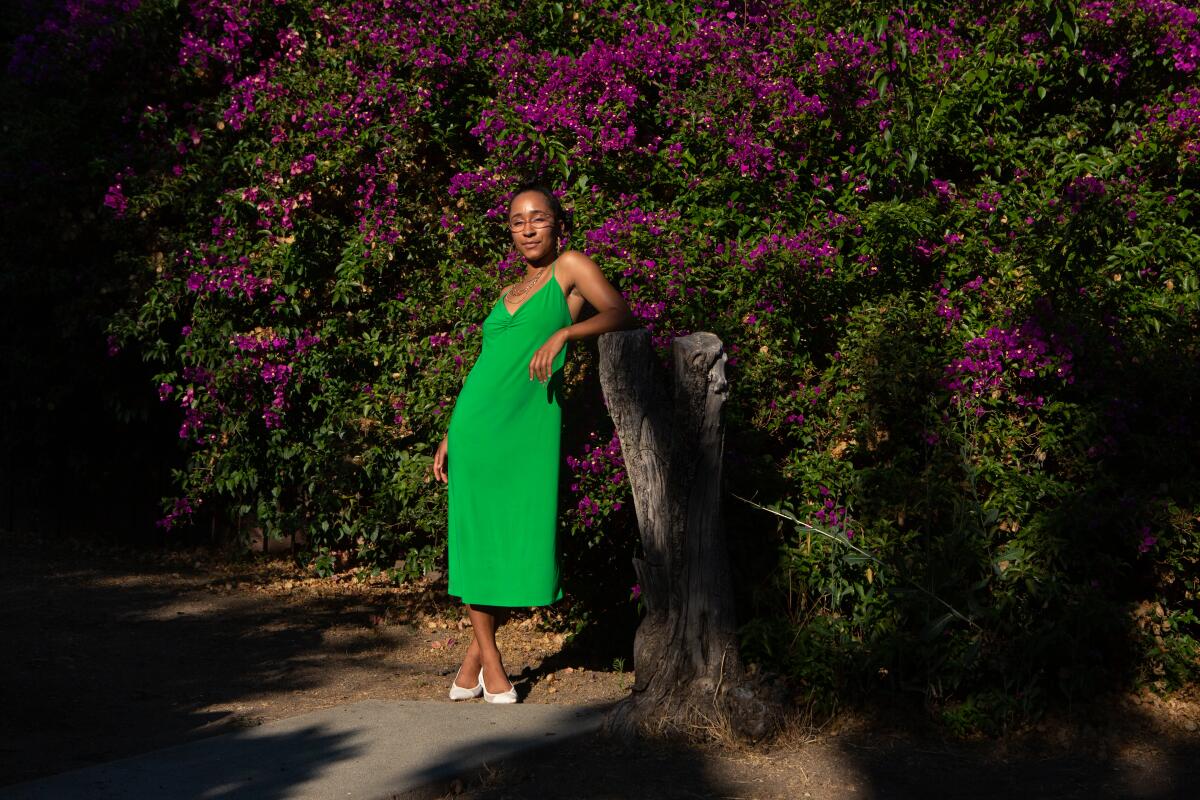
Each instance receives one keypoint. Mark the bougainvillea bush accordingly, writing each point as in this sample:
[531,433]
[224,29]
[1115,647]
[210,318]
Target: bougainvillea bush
[949,247]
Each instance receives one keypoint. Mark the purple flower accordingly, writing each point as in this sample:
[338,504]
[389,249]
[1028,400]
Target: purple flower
[182,507]
[115,199]
[988,201]
[1148,541]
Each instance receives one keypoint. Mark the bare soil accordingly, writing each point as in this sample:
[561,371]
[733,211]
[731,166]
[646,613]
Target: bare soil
[112,652]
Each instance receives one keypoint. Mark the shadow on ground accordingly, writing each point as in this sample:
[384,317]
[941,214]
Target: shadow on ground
[872,761]
[109,664]
[259,768]
[1128,760]
[594,767]
[104,663]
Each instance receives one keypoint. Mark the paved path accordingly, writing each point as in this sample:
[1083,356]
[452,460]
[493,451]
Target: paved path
[373,750]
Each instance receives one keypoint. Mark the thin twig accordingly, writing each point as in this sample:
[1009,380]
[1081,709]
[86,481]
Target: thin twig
[721,677]
[847,543]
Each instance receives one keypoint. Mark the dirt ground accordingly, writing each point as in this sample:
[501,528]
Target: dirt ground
[112,652]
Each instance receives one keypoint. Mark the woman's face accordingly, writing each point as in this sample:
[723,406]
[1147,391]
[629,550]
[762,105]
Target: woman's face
[534,228]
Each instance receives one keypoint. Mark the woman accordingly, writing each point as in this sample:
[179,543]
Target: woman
[501,454]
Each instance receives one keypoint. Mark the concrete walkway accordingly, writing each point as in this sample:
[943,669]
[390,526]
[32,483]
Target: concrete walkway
[373,750]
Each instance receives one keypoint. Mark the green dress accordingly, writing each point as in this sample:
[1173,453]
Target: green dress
[503,454]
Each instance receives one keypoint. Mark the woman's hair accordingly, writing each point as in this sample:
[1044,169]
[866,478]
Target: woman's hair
[556,208]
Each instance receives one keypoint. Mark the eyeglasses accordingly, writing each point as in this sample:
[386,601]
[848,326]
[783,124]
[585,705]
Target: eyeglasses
[536,221]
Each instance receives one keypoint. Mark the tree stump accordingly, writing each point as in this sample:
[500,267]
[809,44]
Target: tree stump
[689,674]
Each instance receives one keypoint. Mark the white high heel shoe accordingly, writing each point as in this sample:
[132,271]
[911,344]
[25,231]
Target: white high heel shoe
[502,697]
[459,693]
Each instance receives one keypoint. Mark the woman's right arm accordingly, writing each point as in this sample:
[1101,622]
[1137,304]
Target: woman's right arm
[439,461]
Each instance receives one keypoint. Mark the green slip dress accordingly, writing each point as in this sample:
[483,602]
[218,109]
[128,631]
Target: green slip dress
[503,454]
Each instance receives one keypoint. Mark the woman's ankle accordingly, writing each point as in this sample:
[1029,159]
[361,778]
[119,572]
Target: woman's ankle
[469,670]
[494,672]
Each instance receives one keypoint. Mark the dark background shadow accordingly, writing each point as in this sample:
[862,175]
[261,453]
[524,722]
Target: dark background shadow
[85,444]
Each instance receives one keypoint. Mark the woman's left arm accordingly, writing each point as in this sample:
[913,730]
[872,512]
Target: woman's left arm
[613,312]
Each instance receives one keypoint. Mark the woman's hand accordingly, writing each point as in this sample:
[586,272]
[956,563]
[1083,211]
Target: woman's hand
[542,362]
[439,461]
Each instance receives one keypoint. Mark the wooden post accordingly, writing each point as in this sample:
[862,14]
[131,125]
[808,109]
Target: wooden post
[688,670]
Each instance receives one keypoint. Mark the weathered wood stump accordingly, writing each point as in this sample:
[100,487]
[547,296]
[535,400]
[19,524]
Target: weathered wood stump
[688,671]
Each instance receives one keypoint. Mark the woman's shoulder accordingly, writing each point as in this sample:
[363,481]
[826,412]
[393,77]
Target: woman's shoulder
[572,259]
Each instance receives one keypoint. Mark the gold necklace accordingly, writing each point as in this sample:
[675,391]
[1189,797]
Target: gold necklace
[526,284]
